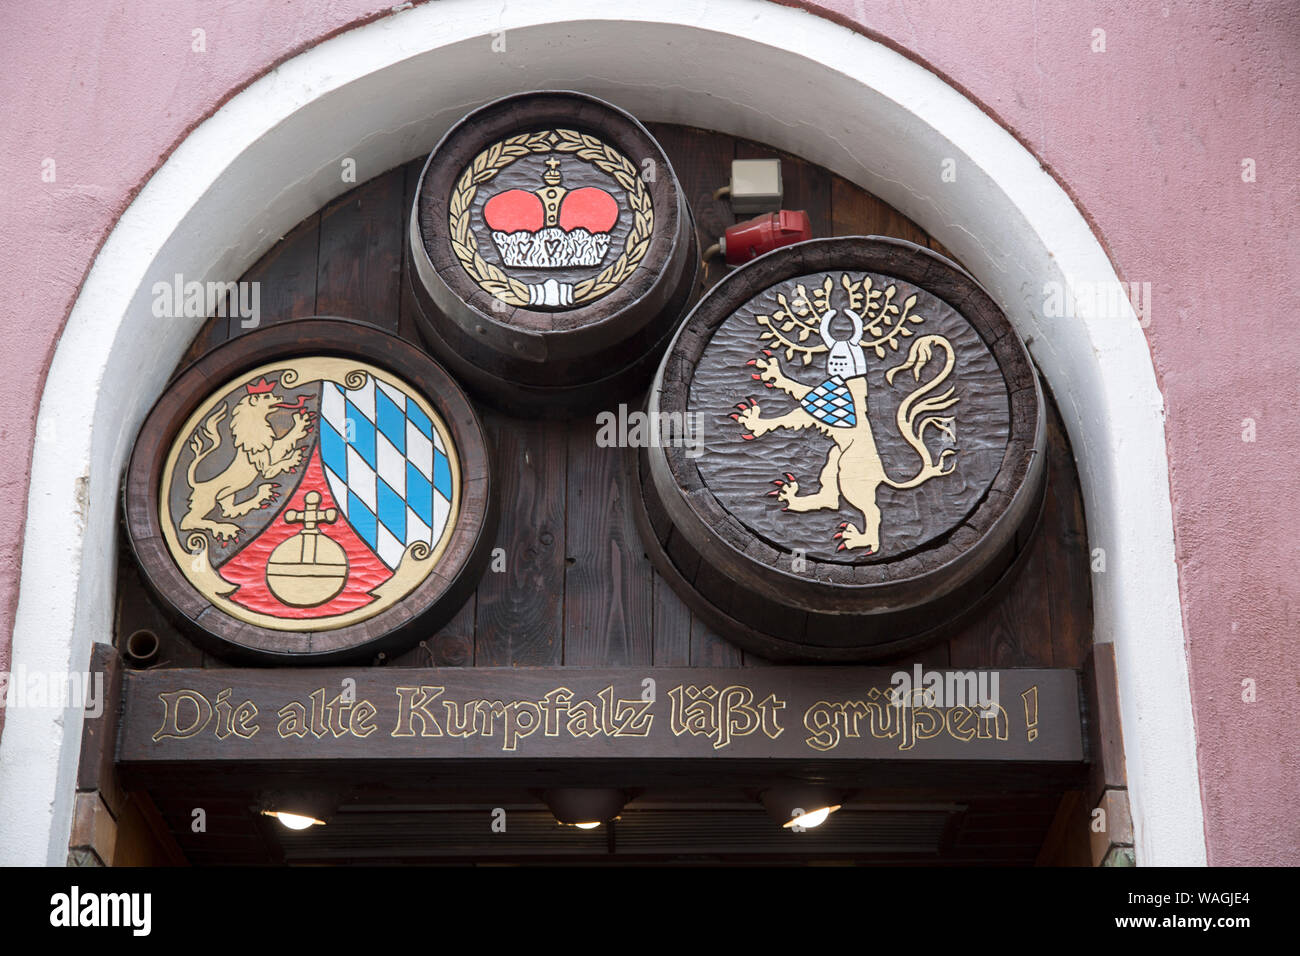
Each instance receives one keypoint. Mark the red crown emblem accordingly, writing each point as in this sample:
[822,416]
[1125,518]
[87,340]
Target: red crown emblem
[260,387]
[554,227]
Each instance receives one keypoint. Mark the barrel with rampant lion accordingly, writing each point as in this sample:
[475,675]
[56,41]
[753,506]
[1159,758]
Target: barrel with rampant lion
[849,453]
[552,253]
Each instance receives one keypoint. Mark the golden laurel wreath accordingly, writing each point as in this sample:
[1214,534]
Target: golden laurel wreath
[500,155]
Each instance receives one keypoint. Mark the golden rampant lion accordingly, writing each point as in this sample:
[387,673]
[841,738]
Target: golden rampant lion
[259,453]
[853,468]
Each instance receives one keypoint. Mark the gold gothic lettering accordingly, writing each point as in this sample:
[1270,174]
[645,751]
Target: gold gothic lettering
[829,723]
[722,715]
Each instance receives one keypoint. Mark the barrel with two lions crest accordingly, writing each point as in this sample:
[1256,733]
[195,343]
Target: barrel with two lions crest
[850,453]
[552,253]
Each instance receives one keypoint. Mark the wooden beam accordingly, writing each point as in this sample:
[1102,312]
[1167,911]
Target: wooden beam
[1105,735]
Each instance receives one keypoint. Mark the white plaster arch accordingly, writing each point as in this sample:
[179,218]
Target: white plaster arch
[383,92]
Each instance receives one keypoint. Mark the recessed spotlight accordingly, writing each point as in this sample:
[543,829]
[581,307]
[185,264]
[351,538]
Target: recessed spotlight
[804,807]
[297,810]
[585,807]
[294,821]
[810,818]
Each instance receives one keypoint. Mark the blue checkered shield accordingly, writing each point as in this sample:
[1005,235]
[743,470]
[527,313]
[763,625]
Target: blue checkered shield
[832,403]
[386,466]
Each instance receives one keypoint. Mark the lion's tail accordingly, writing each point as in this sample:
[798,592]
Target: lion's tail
[210,429]
[919,409]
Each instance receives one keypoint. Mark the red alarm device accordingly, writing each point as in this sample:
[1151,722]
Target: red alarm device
[753,237]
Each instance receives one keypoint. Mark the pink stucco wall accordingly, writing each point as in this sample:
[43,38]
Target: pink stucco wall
[1148,137]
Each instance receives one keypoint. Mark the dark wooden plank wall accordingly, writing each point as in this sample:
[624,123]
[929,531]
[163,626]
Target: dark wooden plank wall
[576,587]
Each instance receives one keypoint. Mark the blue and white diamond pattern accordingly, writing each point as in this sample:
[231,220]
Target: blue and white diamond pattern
[830,402]
[386,466]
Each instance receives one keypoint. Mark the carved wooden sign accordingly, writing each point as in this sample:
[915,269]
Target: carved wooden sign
[402,714]
[552,251]
[872,448]
[308,491]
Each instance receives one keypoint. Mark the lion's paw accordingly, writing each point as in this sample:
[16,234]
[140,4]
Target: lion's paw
[749,420]
[851,539]
[769,370]
[786,489]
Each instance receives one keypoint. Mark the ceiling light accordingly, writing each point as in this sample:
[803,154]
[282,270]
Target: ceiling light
[294,821]
[811,818]
[297,810]
[803,807]
[585,807]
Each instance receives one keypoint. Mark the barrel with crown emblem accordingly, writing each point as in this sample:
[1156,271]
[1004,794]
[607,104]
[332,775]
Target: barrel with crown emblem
[552,253]
[850,453]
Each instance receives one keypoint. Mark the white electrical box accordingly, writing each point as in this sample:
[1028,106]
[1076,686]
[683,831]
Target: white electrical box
[755,186]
